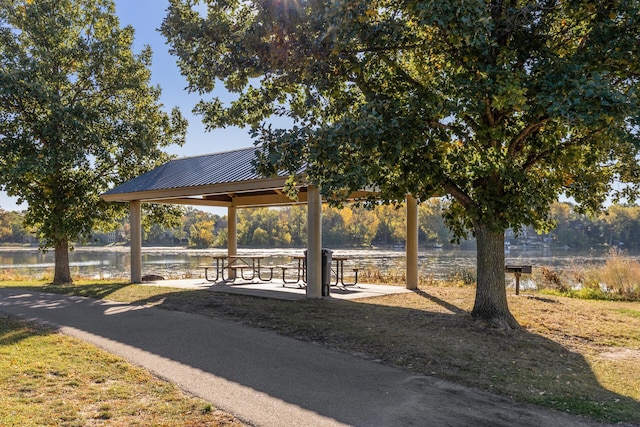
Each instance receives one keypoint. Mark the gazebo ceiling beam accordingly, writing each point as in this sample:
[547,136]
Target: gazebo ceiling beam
[191,201]
[239,200]
[181,192]
[273,197]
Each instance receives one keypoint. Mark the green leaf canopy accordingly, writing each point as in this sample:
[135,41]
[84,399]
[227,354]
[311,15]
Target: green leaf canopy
[500,105]
[77,113]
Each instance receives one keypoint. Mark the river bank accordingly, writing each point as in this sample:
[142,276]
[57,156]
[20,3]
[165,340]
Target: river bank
[376,265]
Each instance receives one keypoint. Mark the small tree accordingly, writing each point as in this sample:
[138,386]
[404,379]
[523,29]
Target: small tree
[296,219]
[201,235]
[501,105]
[77,115]
[392,224]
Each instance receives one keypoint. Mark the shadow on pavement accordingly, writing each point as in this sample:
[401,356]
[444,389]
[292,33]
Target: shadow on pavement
[336,385]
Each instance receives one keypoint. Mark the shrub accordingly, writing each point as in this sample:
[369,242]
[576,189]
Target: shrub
[551,279]
[621,275]
[590,293]
[463,277]
[617,279]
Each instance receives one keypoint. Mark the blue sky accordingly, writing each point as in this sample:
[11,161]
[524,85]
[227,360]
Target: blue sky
[145,16]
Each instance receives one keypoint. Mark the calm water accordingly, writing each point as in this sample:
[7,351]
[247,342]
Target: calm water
[180,263]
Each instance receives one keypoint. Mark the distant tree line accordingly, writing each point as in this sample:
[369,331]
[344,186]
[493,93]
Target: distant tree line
[12,229]
[351,226]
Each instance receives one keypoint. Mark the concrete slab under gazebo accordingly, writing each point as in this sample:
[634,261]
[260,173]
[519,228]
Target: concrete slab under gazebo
[228,179]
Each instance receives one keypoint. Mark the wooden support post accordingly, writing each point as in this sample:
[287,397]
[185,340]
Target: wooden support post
[135,224]
[232,235]
[314,242]
[412,243]
[517,271]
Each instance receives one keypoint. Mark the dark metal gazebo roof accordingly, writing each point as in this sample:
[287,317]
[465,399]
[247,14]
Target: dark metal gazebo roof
[219,179]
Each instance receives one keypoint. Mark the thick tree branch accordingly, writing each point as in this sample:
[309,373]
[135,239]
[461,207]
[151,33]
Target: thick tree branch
[517,143]
[457,193]
[488,112]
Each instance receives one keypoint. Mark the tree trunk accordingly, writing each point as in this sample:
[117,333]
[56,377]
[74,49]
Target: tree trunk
[491,293]
[62,273]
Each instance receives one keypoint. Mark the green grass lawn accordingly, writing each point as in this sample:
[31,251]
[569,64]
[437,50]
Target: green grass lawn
[47,378]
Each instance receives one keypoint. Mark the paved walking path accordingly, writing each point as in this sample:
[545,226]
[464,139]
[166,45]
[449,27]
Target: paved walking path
[269,380]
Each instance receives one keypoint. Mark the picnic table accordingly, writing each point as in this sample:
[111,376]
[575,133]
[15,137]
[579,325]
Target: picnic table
[250,263]
[300,266]
[219,267]
[247,262]
[301,271]
[340,271]
[250,268]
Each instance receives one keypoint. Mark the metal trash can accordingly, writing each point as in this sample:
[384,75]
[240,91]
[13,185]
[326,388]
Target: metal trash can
[326,270]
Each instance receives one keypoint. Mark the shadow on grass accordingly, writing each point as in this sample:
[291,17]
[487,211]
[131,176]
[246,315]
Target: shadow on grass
[97,290]
[452,308]
[518,364]
[13,331]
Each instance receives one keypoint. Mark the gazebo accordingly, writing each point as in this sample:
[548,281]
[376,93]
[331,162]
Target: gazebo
[229,179]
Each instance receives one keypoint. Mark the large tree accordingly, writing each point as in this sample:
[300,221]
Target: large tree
[77,115]
[502,105]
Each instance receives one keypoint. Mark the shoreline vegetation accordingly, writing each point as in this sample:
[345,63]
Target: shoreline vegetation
[579,356]
[614,276]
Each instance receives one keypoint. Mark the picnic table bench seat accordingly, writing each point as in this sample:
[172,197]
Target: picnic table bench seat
[206,272]
[285,268]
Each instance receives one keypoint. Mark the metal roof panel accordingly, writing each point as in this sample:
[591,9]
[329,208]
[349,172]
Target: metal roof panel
[208,169]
